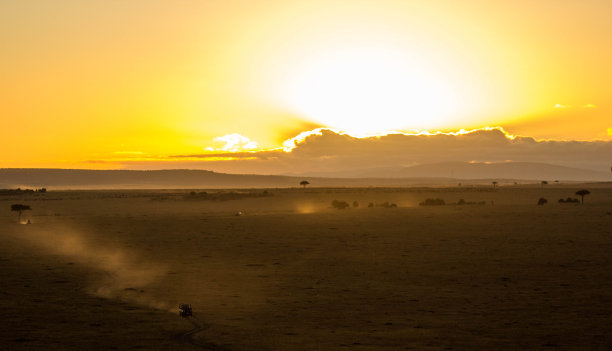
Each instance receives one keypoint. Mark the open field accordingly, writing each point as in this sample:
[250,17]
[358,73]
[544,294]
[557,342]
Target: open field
[107,269]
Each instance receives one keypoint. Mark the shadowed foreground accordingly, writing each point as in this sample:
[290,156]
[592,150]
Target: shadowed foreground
[105,270]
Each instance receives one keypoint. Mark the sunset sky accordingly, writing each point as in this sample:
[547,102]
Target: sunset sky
[134,84]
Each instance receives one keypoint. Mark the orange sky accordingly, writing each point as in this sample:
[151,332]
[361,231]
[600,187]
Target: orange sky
[108,80]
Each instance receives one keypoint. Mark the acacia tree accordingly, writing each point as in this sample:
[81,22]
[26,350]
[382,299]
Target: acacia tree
[494,184]
[304,183]
[581,193]
[20,208]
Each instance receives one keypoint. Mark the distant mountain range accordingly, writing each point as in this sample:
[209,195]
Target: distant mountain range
[430,174]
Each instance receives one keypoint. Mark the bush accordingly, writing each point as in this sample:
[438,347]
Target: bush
[340,205]
[355,204]
[569,200]
[462,202]
[542,201]
[386,204]
[433,202]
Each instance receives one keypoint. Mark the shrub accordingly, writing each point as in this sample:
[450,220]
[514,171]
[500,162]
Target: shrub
[462,202]
[542,201]
[569,200]
[340,205]
[433,202]
[386,204]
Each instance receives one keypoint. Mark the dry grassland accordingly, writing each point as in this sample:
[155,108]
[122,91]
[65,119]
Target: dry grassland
[107,269]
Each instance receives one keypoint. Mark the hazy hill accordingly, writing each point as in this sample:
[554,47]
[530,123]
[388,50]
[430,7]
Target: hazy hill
[422,175]
[178,178]
[465,170]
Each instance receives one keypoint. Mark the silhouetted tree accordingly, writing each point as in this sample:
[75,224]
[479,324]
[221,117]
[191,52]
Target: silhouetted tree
[581,193]
[20,208]
[542,201]
[494,184]
[304,183]
[544,182]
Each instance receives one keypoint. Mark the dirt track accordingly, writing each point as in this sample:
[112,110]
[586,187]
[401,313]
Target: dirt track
[193,338]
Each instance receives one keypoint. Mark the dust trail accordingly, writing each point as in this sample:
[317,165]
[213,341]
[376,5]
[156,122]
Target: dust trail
[125,276]
[307,207]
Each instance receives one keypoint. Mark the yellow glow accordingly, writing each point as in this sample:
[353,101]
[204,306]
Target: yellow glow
[85,83]
[370,90]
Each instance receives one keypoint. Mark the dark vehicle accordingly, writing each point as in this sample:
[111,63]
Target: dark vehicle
[185,310]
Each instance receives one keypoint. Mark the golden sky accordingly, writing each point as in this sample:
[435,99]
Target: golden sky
[85,83]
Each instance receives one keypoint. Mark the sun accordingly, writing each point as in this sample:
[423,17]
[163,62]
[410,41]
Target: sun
[369,90]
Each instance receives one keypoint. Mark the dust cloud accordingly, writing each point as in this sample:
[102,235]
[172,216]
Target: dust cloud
[306,208]
[123,275]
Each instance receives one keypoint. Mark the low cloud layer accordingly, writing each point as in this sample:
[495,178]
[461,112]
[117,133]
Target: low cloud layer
[325,150]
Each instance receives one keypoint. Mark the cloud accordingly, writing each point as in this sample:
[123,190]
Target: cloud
[325,150]
[234,143]
[129,153]
[570,106]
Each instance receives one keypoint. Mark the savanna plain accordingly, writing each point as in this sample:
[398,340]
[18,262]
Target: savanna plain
[281,269]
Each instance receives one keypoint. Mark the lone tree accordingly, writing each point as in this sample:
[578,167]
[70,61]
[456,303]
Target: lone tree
[581,193]
[494,184]
[20,208]
[542,183]
[304,183]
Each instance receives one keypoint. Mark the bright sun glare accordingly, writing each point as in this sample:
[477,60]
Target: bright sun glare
[370,91]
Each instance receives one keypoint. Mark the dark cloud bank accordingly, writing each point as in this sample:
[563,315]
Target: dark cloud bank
[396,155]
